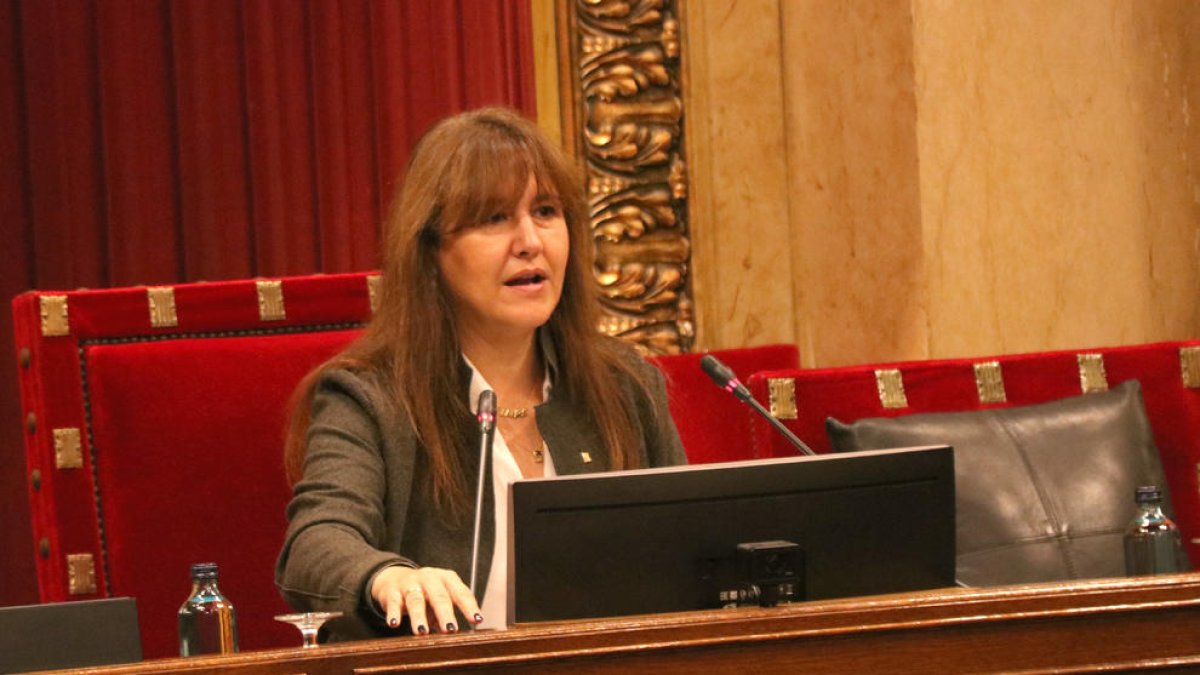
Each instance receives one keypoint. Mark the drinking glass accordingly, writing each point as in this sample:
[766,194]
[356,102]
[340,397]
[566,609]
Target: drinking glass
[308,623]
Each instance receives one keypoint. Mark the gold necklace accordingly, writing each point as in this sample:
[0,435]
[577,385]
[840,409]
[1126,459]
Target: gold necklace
[539,455]
[512,413]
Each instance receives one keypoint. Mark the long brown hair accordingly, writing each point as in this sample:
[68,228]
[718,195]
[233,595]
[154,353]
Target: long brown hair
[465,168]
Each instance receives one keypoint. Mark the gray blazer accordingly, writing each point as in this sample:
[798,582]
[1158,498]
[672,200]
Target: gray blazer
[365,500]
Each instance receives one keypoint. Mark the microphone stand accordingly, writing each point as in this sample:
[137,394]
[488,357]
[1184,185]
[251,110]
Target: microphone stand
[787,433]
[486,415]
[725,379]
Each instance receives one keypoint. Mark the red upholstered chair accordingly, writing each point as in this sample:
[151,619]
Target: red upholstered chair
[713,425]
[155,424]
[1169,374]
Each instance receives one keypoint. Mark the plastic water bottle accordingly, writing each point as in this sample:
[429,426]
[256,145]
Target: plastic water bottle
[1152,542]
[207,620]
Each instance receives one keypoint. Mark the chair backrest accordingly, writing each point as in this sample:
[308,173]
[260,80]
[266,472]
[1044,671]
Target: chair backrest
[155,421]
[1169,374]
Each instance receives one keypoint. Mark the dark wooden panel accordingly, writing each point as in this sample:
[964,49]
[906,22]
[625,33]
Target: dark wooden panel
[1148,624]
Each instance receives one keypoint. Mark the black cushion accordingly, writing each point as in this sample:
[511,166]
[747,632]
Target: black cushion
[1044,491]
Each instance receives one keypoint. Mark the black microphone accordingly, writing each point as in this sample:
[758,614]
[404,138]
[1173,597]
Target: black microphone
[725,379]
[486,415]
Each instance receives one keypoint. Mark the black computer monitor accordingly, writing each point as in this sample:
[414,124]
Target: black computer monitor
[666,540]
[69,635]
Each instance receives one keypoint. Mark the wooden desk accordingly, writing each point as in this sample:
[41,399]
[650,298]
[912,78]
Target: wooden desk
[1132,624]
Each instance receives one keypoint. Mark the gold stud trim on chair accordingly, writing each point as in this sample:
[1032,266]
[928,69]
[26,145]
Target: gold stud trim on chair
[81,574]
[890,384]
[1092,377]
[270,300]
[68,448]
[55,321]
[989,382]
[373,282]
[1189,366]
[781,392]
[162,306]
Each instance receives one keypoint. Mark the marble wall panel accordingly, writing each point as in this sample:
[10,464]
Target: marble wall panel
[742,259]
[1166,49]
[937,178]
[1052,171]
[851,119]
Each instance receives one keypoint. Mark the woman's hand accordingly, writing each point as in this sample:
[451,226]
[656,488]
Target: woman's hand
[406,590]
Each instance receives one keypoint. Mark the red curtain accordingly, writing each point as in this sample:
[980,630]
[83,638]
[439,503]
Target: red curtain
[159,141]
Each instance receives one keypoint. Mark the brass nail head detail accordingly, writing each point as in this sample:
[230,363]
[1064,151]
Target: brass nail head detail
[1092,377]
[270,300]
[55,321]
[373,281]
[81,574]
[1189,366]
[989,382]
[68,448]
[35,479]
[31,423]
[44,548]
[162,306]
[25,357]
[781,392]
[890,383]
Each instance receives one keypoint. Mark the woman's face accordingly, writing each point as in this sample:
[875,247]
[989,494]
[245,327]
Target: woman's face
[505,275]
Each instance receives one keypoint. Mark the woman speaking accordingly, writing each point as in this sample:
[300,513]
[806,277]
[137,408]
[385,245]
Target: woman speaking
[486,284]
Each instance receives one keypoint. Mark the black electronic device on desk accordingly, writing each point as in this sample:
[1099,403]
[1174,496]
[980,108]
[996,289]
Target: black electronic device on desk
[754,532]
[69,635]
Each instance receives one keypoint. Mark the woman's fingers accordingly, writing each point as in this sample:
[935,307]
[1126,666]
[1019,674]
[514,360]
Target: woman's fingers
[444,592]
[414,601]
[415,592]
[394,608]
[443,610]
[387,591]
[462,597]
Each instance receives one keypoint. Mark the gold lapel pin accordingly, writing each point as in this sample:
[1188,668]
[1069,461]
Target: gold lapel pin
[586,456]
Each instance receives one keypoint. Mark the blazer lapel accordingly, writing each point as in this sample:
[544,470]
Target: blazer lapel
[571,437]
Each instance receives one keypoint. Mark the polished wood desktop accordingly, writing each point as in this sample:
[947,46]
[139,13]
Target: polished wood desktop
[1142,624]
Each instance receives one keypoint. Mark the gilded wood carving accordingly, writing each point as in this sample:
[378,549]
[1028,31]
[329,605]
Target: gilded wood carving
[628,110]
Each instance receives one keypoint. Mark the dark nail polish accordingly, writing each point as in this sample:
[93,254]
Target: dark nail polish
[478,618]
[421,630]
[450,628]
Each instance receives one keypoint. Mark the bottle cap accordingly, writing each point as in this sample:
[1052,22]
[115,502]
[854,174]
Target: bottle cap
[1147,494]
[204,570]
